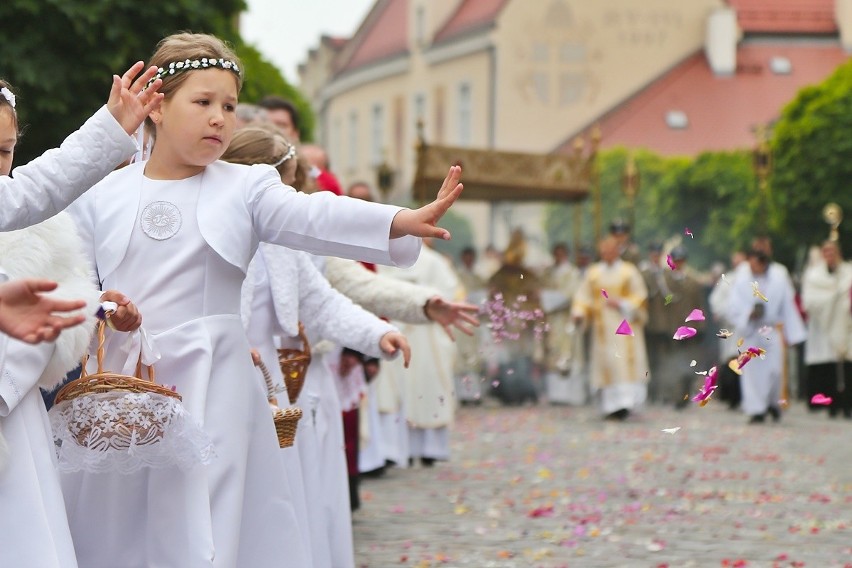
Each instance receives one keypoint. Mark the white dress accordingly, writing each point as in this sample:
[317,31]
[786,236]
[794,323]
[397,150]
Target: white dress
[282,287]
[179,249]
[33,526]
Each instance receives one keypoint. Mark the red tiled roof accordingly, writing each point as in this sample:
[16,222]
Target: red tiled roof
[722,111]
[382,35]
[469,15]
[785,16]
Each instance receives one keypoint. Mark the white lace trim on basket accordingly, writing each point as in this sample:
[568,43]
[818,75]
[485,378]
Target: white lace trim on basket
[124,432]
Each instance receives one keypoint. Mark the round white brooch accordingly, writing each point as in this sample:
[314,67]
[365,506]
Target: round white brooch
[161,220]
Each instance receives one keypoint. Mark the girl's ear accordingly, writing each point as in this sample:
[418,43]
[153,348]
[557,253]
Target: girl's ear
[156,115]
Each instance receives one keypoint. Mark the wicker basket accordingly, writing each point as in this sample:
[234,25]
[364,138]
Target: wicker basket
[294,365]
[142,421]
[286,420]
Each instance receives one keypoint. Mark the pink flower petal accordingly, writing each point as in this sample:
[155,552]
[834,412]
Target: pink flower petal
[670,262]
[684,332]
[604,294]
[624,329]
[686,231]
[695,315]
[821,399]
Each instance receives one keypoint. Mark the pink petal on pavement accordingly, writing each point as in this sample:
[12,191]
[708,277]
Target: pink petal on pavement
[821,399]
[670,262]
[695,315]
[624,329]
[604,294]
[684,332]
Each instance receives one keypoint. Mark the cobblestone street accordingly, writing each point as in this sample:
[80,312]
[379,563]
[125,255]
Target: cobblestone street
[553,487]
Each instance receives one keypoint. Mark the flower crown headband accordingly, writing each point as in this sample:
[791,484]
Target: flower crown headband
[192,64]
[8,95]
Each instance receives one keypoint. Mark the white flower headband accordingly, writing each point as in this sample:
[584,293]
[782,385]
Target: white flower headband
[192,64]
[8,95]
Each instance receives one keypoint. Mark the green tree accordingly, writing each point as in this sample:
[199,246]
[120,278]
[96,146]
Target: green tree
[812,166]
[60,54]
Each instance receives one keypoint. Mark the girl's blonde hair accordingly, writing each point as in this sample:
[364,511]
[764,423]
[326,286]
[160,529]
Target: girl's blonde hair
[263,144]
[189,46]
[6,104]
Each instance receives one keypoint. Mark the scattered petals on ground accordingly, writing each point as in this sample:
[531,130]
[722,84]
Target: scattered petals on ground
[670,262]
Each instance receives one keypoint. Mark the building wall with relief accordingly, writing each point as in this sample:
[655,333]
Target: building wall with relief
[524,81]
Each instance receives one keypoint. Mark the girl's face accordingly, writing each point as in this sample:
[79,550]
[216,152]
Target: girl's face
[8,139]
[195,125]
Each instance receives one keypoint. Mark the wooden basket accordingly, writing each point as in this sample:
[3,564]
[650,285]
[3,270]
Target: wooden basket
[104,382]
[294,365]
[286,420]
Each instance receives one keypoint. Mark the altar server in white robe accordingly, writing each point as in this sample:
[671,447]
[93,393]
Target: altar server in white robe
[427,388]
[828,350]
[176,234]
[763,312]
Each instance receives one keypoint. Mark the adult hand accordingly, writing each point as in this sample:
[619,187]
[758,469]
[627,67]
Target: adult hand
[27,314]
[452,314]
[126,317]
[393,341]
[128,103]
[422,222]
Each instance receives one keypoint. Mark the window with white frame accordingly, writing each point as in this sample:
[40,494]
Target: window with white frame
[419,110]
[464,117]
[378,135]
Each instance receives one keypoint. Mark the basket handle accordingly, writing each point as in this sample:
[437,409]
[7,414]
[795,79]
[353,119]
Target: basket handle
[100,354]
[267,378]
[306,346]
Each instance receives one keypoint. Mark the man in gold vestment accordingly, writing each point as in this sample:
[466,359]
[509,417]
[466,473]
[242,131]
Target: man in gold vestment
[613,291]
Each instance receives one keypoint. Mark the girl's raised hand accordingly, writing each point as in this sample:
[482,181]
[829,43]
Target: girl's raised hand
[423,222]
[128,102]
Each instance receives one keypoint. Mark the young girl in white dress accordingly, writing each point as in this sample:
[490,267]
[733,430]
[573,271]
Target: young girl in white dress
[176,234]
[33,526]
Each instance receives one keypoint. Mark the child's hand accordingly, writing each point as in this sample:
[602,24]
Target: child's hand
[128,103]
[452,314]
[422,222]
[27,314]
[126,317]
[393,341]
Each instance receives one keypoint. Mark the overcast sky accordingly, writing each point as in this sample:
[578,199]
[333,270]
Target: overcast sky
[284,30]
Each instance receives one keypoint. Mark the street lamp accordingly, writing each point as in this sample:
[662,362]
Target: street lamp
[630,186]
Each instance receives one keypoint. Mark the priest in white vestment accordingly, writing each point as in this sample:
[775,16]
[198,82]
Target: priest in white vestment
[763,312]
[828,349]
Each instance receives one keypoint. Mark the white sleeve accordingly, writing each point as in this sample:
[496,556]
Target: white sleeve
[382,295]
[324,223]
[330,315]
[22,368]
[47,185]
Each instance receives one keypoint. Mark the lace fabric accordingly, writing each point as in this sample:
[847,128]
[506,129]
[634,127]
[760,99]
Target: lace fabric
[123,432]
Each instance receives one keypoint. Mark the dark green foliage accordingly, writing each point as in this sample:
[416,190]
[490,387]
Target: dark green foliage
[60,54]
[813,164]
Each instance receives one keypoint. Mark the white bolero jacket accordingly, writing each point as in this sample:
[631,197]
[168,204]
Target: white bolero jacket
[47,185]
[239,207]
[300,292]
